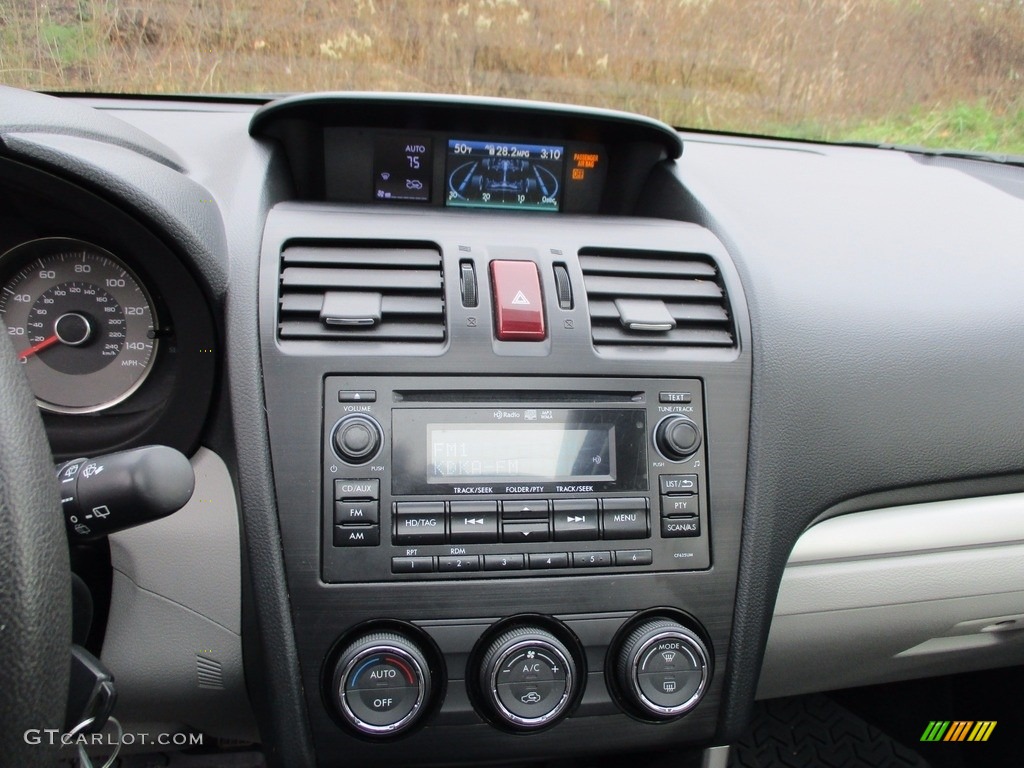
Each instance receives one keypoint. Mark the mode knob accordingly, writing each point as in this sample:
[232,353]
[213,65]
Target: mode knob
[381,684]
[528,678]
[662,669]
[357,439]
[677,437]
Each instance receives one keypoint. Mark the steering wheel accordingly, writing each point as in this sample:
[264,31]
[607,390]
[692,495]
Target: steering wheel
[35,579]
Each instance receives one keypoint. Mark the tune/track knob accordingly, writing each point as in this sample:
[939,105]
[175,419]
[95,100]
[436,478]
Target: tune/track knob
[677,437]
[357,439]
[381,683]
[662,669]
[528,678]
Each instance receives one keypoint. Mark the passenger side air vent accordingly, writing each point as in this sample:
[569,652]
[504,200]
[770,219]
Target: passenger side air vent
[655,298]
[362,292]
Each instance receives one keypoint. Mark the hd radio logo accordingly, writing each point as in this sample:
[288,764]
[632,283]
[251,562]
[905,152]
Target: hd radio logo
[958,730]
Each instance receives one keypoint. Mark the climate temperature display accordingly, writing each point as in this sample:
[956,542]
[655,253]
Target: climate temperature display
[489,174]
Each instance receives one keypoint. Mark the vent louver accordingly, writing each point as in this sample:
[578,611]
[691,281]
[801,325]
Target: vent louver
[655,298]
[358,292]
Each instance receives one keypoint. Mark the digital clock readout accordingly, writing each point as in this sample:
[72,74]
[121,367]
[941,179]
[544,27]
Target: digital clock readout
[489,174]
[475,452]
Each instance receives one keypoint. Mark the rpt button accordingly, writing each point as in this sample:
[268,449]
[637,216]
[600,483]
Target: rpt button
[518,304]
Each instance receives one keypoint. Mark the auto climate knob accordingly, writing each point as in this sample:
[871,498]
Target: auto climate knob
[662,669]
[357,439]
[677,437]
[528,678]
[381,683]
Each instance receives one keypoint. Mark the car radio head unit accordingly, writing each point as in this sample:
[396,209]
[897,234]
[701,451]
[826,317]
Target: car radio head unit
[427,478]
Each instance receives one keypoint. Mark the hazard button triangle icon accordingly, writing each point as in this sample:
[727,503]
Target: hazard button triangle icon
[518,302]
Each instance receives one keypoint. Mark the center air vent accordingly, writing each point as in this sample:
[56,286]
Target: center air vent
[654,298]
[358,292]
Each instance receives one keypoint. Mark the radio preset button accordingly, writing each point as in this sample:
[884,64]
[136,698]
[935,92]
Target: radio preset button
[412,564]
[349,490]
[591,559]
[461,563]
[634,557]
[354,512]
[504,562]
[356,535]
[679,483]
[524,533]
[576,520]
[549,560]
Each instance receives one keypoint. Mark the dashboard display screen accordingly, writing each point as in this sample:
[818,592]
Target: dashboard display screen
[506,453]
[402,168]
[491,174]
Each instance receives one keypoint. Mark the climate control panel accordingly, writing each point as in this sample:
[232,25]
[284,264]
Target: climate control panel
[426,478]
[522,674]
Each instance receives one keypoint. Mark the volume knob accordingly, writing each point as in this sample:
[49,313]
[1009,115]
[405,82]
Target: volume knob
[677,438]
[357,439]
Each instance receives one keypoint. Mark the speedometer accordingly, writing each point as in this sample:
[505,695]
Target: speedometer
[81,323]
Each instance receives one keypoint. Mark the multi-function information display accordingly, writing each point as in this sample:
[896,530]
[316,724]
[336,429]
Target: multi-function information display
[484,453]
[402,168]
[492,174]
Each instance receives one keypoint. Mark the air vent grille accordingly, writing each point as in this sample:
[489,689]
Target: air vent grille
[357,292]
[655,299]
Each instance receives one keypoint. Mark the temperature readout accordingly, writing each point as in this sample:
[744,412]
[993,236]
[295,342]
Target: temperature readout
[490,174]
[402,168]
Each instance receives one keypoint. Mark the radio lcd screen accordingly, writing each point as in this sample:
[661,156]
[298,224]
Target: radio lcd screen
[479,452]
[518,450]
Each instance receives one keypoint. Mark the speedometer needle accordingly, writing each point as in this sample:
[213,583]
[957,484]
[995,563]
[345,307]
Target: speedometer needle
[38,347]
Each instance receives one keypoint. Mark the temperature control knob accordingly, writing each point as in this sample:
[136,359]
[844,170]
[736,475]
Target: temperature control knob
[662,669]
[381,684]
[357,439]
[528,678]
[677,437]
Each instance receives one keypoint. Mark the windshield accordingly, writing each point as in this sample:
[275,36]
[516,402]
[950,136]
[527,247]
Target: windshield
[937,73]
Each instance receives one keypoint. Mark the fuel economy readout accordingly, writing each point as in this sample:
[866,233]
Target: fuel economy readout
[489,174]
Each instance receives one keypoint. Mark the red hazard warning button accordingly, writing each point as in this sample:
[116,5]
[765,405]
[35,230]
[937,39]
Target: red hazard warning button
[519,310]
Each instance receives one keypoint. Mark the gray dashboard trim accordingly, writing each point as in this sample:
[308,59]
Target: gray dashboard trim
[942,525]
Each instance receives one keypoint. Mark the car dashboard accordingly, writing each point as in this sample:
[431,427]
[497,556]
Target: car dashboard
[521,431]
